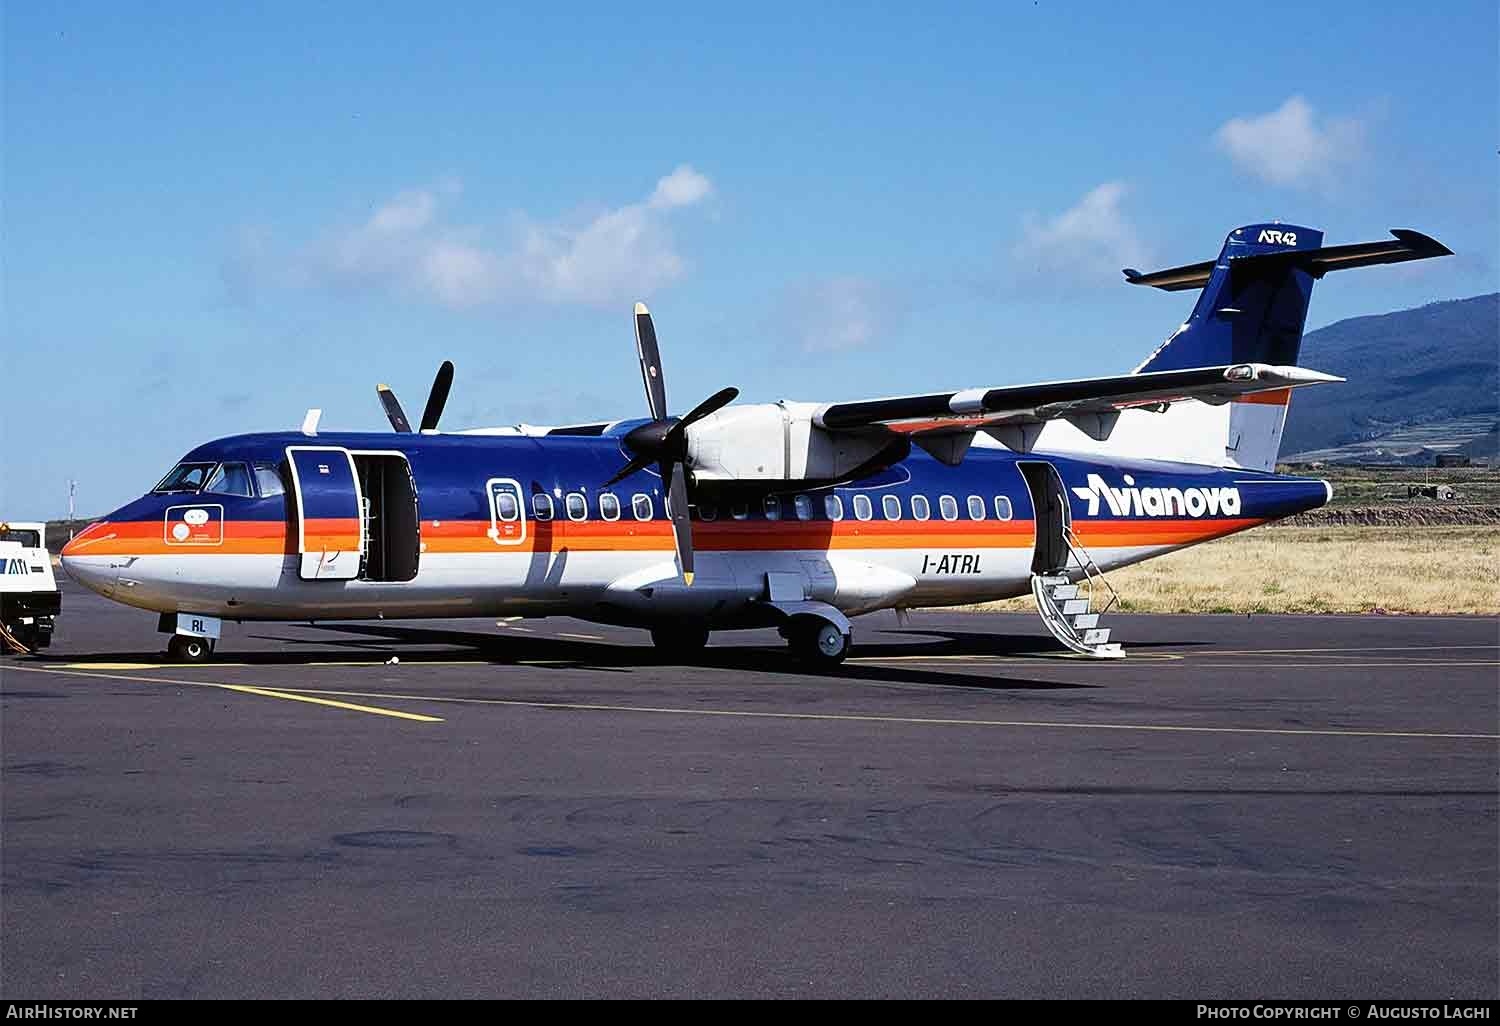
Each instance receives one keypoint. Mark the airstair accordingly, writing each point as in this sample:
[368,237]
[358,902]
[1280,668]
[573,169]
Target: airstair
[1068,598]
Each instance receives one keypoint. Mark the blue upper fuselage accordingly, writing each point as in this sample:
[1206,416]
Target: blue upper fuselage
[451,470]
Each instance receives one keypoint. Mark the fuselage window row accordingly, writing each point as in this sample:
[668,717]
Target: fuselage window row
[642,507]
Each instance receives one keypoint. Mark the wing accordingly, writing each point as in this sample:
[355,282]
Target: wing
[977,408]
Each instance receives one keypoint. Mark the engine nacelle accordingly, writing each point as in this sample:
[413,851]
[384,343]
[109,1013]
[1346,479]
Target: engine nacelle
[779,442]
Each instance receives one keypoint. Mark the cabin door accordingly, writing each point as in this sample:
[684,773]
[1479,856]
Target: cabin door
[1049,499]
[329,507]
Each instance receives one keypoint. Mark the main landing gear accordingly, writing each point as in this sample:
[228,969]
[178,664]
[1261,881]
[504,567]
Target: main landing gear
[679,638]
[816,641]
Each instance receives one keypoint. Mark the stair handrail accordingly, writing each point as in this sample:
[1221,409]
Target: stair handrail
[1086,562]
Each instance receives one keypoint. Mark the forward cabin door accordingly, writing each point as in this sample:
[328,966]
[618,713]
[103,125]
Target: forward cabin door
[329,511]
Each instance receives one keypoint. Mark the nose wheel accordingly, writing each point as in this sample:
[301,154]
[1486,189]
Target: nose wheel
[184,648]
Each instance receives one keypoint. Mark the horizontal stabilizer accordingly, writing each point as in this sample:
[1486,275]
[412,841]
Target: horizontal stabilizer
[1405,245]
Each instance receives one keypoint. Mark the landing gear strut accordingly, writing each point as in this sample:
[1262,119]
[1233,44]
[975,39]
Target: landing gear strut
[184,648]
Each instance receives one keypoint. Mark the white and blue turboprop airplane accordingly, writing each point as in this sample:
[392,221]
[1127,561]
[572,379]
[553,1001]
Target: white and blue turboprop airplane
[791,514]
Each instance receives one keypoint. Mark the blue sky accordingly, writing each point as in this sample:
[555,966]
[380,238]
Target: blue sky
[215,219]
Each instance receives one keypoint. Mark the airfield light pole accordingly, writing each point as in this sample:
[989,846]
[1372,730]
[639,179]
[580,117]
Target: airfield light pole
[72,491]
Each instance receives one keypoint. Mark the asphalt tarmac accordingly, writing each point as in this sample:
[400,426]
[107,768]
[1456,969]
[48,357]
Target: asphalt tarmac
[1245,807]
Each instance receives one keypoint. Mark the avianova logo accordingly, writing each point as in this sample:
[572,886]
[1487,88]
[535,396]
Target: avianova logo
[1159,502]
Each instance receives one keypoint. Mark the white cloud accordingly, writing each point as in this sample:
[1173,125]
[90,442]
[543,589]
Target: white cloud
[407,246]
[682,188]
[841,313]
[1086,244]
[1289,145]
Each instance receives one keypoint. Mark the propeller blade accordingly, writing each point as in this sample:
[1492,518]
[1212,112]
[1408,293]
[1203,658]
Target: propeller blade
[636,463]
[393,411]
[645,347]
[712,404]
[682,528]
[438,397]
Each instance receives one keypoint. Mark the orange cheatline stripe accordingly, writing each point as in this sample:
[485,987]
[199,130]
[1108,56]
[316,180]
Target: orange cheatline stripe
[1279,397]
[458,537]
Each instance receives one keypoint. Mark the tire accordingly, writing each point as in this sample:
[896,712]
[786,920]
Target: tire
[185,649]
[820,643]
[679,639]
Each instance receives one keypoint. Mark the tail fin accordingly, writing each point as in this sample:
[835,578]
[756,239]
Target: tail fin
[1252,310]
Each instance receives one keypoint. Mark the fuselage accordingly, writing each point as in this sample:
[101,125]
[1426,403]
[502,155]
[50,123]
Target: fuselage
[519,526]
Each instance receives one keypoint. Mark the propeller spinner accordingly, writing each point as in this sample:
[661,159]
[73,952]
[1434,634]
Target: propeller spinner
[663,440]
[437,398]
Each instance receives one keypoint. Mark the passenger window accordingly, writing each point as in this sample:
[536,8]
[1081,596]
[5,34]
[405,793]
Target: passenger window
[834,507]
[541,506]
[640,505]
[803,506]
[772,506]
[920,510]
[948,506]
[268,481]
[230,479]
[609,506]
[891,507]
[976,508]
[507,509]
[739,511]
[708,514]
[1002,508]
[577,508]
[863,510]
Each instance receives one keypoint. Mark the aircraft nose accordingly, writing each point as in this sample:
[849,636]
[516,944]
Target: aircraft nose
[95,572]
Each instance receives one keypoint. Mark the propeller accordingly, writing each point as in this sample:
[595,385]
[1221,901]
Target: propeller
[663,439]
[436,400]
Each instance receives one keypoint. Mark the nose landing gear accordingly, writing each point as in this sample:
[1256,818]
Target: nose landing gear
[184,648]
[194,636]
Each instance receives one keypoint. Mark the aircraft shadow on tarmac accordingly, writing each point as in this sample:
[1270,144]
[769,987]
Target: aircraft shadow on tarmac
[551,653]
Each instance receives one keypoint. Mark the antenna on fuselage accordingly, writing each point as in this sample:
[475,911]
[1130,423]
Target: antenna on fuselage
[310,422]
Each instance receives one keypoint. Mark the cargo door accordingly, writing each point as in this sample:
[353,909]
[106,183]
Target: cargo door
[329,510]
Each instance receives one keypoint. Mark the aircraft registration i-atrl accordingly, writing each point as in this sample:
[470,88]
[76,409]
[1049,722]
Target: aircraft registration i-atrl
[797,515]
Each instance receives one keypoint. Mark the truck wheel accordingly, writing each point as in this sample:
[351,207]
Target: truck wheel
[185,649]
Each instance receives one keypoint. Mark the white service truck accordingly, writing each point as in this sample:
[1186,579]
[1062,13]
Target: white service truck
[29,599]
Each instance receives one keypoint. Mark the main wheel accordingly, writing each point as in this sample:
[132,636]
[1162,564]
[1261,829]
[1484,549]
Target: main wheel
[679,638]
[185,649]
[820,643]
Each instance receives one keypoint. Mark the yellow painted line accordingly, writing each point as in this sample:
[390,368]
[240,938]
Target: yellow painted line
[113,666]
[245,689]
[911,720]
[268,693]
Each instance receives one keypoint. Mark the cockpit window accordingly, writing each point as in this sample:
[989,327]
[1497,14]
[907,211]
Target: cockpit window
[230,479]
[185,477]
[30,539]
[268,480]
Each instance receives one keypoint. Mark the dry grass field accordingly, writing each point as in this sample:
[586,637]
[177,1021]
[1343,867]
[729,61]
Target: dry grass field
[1319,570]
